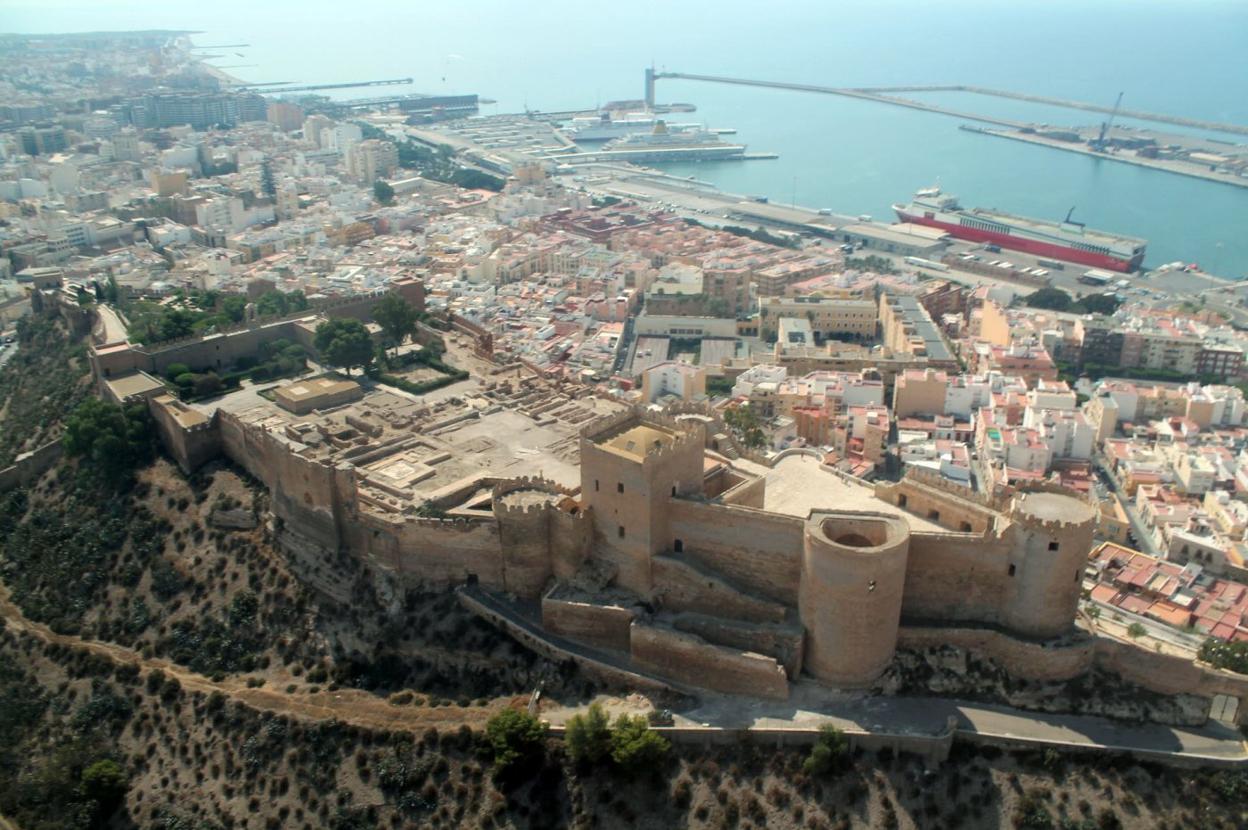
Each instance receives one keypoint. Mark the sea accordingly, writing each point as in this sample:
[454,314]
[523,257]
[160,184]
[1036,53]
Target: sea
[1182,57]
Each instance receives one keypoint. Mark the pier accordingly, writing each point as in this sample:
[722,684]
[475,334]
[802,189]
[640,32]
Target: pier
[883,95]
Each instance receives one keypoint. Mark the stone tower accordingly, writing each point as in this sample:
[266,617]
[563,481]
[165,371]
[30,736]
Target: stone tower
[1052,534]
[849,601]
[632,465]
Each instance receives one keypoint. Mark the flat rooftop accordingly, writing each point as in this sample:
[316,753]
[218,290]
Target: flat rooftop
[133,385]
[797,485]
[305,389]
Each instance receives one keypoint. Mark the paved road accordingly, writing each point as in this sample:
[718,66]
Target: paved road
[110,329]
[813,705]
[1143,539]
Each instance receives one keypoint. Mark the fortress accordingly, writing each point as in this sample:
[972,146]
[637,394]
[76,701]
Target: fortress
[650,538]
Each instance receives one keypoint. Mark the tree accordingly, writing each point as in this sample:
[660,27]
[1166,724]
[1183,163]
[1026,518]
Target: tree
[635,746]
[105,783]
[1051,299]
[745,426]
[267,185]
[113,440]
[234,307]
[175,370]
[344,343]
[515,737]
[829,752]
[205,385]
[396,317]
[383,192]
[1135,631]
[1099,304]
[588,737]
[1224,655]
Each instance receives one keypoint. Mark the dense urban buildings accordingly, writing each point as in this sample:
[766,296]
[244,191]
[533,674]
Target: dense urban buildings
[687,441]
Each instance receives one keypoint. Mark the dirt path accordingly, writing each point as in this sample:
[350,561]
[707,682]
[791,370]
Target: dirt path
[346,705]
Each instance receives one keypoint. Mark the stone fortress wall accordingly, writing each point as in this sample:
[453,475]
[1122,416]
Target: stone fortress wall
[643,563]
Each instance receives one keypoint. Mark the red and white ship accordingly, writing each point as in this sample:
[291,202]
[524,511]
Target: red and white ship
[1070,241]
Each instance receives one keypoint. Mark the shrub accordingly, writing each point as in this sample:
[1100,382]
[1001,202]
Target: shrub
[589,736]
[829,753]
[634,746]
[515,737]
[105,783]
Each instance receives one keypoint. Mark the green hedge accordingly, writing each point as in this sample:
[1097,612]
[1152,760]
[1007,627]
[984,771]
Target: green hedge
[455,376]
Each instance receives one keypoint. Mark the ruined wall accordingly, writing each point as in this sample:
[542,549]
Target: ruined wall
[601,626]
[956,577]
[691,660]
[758,551]
[680,586]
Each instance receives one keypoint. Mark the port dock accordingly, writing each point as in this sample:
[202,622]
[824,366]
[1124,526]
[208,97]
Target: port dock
[884,95]
[1179,167]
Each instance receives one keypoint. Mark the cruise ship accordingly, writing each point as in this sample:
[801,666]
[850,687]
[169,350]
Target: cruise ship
[1067,240]
[603,127]
[663,144]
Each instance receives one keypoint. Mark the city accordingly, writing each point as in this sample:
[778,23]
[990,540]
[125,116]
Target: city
[362,446]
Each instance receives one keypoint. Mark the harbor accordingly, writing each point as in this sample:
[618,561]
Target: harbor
[1183,165]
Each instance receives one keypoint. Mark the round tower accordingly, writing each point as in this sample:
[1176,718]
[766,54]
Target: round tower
[849,601]
[1052,536]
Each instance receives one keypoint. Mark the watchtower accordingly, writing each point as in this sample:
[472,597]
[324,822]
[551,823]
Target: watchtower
[632,465]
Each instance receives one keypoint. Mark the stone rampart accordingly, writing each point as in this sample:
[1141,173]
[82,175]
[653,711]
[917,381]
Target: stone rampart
[598,625]
[758,551]
[1061,660]
[432,552]
[30,465]
[956,577]
[681,586]
[1054,661]
[191,443]
[783,642]
[550,647]
[689,659]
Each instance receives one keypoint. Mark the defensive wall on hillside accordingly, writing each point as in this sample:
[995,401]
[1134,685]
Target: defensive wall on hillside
[227,346]
[650,561]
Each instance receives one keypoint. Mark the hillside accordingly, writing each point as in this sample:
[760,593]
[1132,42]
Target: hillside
[163,664]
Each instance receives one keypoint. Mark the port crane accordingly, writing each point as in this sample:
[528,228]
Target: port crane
[314,87]
[1099,144]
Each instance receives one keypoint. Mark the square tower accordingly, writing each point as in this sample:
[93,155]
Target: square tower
[632,465]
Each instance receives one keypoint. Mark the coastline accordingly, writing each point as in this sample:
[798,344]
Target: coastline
[184,45]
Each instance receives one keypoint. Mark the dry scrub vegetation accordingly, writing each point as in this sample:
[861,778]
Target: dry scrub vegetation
[164,664]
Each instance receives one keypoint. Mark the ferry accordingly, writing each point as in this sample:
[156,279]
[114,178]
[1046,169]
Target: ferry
[1066,240]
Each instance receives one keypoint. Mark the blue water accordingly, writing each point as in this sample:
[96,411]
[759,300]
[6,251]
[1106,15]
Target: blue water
[1183,57]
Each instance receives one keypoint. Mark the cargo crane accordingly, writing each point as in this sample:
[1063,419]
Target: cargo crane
[314,87]
[1099,144]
